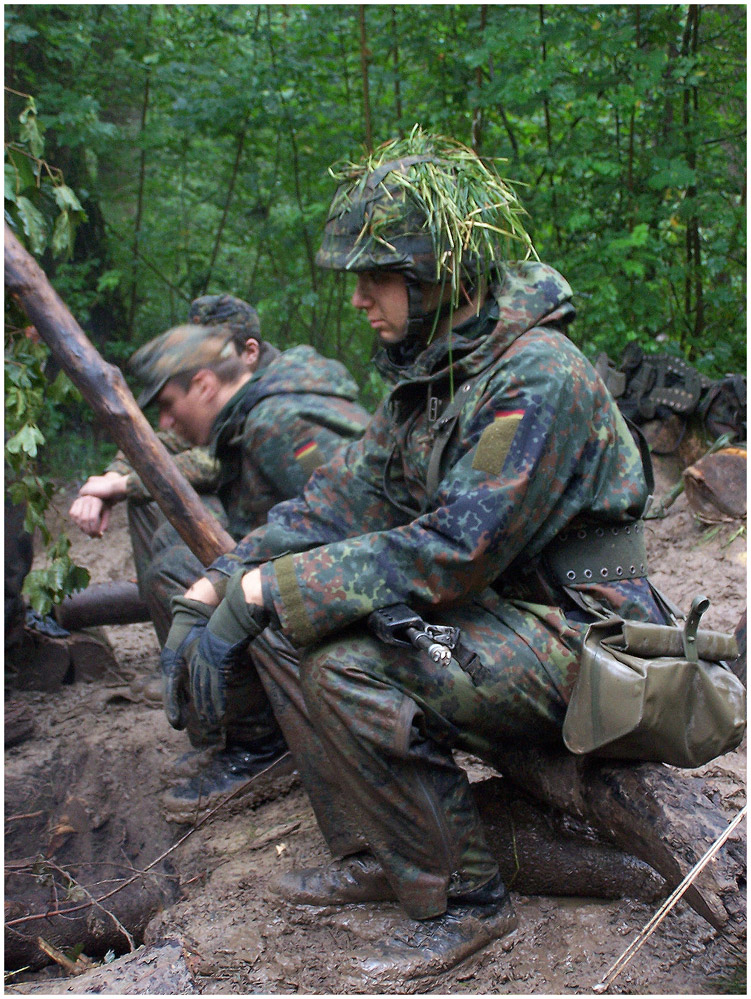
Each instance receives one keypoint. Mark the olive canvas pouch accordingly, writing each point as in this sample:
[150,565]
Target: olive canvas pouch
[655,692]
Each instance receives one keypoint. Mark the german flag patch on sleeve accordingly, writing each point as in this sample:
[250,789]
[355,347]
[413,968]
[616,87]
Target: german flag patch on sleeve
[309,456]
[495,441]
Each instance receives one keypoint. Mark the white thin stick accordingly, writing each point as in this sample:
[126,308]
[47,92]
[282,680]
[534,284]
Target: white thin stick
[666,906]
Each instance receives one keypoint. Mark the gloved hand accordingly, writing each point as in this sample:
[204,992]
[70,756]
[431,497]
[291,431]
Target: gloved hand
[220,650]
[189,618]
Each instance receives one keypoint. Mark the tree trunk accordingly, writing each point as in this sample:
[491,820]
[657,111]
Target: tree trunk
[364,59]
[104,388]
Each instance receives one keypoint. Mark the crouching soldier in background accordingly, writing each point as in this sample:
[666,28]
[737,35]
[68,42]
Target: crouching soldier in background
[496,437]
[271,418]
[119,482]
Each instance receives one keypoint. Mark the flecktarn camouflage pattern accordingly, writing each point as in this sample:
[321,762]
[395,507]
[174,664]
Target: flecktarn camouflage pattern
[288,419]
[196,464]
[291,417]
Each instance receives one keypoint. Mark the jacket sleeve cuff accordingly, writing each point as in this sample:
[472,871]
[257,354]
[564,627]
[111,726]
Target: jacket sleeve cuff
[280,582]
[218,580]
[135,489]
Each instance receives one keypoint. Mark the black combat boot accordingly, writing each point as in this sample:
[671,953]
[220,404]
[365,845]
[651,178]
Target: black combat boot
[246,771]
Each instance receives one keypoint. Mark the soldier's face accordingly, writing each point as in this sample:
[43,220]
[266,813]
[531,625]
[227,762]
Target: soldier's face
[188,414]
[382,295]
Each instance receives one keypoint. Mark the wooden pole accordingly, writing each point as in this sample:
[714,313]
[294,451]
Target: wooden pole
[102,385]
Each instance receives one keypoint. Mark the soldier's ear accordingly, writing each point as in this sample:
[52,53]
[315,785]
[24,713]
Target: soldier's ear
[251,353]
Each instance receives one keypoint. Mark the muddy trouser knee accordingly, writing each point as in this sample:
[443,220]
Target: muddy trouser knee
[385,721]
[387,786]
[277,663]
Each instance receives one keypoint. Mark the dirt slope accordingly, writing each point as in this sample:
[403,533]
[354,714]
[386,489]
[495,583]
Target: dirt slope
[225,933]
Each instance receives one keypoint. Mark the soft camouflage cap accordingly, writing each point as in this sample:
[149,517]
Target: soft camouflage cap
[212,310]
[182,348]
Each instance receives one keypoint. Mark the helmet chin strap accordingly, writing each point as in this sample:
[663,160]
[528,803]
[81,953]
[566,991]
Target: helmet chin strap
[420,325]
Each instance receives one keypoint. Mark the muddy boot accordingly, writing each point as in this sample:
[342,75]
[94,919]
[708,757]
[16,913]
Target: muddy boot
[357,878]
[411,949]
[191,762]
[237,771]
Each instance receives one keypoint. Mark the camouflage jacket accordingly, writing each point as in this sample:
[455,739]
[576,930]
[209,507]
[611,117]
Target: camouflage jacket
[539,443]
[291,417]
[197,465]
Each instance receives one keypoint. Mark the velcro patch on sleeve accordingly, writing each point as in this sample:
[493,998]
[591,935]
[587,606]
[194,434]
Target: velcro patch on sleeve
[495,442]
[310,457]
[297,621]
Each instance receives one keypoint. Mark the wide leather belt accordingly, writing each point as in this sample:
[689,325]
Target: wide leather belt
[597,553]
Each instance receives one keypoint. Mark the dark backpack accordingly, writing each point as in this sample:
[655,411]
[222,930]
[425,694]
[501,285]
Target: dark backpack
[654,386]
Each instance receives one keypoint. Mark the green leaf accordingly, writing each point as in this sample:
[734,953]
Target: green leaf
[28,439]
[11,179]
[62,235]
[30,132]
[33,225]
[19,33]
[109,281]
[66,198]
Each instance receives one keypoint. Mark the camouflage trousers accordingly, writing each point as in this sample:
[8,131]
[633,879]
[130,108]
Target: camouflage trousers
[165,568]
[372,728]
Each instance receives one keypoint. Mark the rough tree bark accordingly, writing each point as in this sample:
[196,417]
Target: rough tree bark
[104,388]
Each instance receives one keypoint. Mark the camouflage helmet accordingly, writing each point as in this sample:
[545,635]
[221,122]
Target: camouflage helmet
[375,225]
[427,207]
[212,310]
[182,348]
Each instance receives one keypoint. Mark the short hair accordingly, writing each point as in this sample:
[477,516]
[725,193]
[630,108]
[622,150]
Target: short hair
[227,370]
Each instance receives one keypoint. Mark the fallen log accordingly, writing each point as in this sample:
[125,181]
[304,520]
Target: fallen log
[82,867]
[653,811]
[102,603]
[164,969]
[110,926]
[104,388]
[541,852]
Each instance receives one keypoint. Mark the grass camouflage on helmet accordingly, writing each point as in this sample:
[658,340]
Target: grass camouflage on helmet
[425,206]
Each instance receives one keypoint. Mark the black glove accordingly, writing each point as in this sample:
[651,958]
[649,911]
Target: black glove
[220,650]
[189,618]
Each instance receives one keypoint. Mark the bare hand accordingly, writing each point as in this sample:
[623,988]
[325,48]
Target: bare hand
[91,514]
[203,591]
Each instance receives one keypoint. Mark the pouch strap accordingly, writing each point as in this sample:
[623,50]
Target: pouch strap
[689,631]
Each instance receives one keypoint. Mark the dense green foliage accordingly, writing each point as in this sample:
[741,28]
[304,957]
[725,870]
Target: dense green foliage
[199,138]
[44,212]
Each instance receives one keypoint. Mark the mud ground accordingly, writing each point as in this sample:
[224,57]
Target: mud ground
[226,934]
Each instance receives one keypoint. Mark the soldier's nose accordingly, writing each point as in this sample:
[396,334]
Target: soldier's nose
[360,298]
